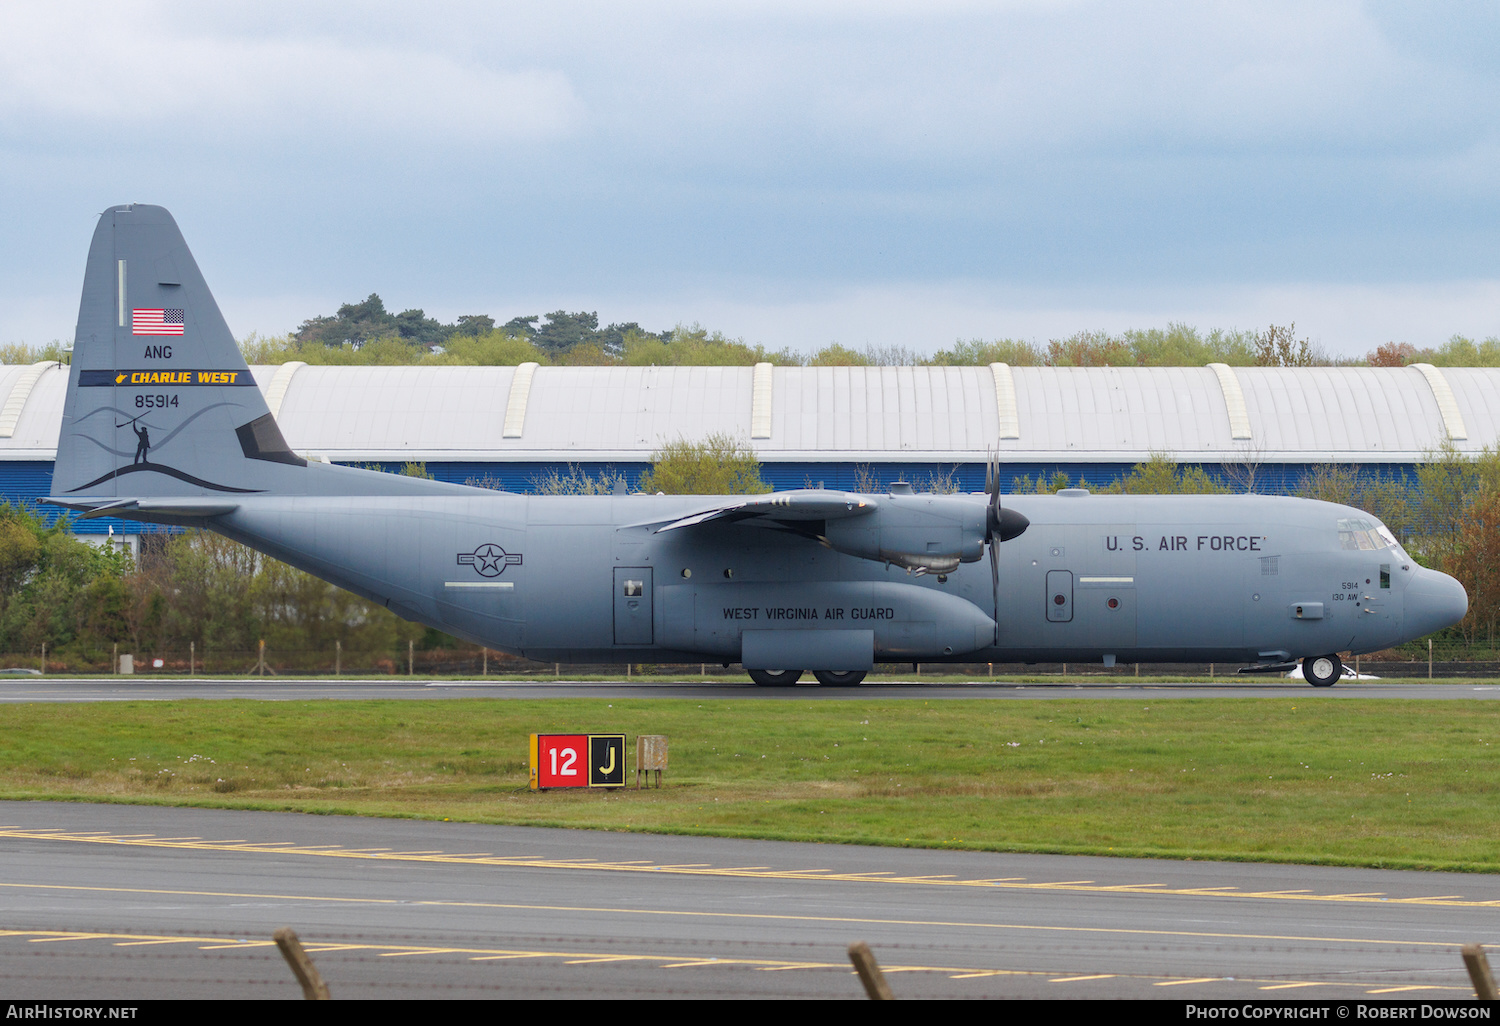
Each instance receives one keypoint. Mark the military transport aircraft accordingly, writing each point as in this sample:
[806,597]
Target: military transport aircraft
[164,424]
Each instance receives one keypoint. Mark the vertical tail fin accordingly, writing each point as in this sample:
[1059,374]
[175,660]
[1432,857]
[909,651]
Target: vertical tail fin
[160,402]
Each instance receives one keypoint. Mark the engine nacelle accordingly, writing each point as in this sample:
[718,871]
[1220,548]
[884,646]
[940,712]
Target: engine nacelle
[925,533]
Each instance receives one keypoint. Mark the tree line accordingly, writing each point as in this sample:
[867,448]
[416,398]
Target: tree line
[553,335]
[184,591]
[366,334]
[574,339]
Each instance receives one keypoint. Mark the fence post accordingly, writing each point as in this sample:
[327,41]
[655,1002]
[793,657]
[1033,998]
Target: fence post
[1429,658]
[410,656]
[338,656]
[313,987]
[114,658]
[484,669]
[44,657]
[1479,972]
[192,656]
[869,972]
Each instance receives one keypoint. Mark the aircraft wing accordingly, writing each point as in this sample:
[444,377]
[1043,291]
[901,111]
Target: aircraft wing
[782,506]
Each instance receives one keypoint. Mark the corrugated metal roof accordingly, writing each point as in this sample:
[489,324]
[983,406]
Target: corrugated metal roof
[33,396]
[1345,413]
[854,414]
[1474,392]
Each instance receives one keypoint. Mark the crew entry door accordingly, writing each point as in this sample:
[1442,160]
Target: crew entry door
[633,605]
[1060,596]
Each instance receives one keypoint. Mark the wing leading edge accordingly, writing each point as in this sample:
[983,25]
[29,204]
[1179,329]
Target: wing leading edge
[783,506]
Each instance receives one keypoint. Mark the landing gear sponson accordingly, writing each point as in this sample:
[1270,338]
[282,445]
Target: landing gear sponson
[786,678]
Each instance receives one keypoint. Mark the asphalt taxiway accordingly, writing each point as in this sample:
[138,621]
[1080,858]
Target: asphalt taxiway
[137,902]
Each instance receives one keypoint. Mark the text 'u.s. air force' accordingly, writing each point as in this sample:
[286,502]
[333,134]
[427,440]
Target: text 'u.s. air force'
[1185,543]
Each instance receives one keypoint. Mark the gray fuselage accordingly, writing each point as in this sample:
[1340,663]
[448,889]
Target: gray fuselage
[1159,578]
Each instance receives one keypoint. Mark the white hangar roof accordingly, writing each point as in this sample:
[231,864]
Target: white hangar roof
[855,414]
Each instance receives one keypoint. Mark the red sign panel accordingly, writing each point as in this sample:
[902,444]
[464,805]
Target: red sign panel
[561,760]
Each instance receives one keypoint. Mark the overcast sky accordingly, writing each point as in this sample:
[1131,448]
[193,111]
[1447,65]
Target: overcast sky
[792,173]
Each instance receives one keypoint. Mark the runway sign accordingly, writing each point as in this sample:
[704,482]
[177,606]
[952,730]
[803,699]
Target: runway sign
[577,760]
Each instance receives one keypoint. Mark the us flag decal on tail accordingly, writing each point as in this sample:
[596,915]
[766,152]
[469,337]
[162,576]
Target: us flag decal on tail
[155,322]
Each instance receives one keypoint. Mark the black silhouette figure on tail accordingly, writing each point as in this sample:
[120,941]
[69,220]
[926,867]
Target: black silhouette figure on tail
[143,440]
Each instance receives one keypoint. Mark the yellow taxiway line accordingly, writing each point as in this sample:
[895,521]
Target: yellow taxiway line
[240,845]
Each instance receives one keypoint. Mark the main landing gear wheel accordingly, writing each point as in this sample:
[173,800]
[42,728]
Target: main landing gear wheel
[1322,671]
[775,678]
[839,678]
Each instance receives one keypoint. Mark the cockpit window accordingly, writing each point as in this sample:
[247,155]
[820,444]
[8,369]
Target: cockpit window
[1356,533]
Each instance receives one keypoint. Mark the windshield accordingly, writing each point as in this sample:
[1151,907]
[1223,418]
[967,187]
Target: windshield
[1356,533]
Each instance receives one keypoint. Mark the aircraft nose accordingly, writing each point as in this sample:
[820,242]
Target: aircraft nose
[1433,601]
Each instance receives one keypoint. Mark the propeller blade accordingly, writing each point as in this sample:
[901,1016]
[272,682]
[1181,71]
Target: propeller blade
[992,530]
[995,581]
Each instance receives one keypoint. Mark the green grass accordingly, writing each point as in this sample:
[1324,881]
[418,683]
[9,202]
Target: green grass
[1308,779]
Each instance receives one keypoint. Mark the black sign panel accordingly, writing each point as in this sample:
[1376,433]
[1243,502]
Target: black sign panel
[606,760]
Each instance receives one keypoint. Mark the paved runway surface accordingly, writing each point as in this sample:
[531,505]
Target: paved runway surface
[112,689]
[134,902]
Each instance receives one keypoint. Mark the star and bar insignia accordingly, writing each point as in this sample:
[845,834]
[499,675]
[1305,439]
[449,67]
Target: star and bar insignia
[490,560]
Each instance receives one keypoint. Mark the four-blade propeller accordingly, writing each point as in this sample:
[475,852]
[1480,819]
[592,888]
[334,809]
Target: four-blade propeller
[1000,525]
[992,529]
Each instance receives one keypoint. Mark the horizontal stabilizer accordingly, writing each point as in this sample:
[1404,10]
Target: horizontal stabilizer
[185,507]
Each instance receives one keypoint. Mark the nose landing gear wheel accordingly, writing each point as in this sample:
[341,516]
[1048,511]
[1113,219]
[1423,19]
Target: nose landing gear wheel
[1322,671]
[839,678]
[775,678]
